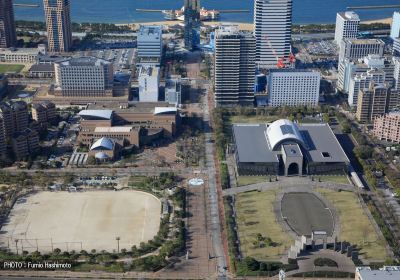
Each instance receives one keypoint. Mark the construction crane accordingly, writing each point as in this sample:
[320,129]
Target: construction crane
[280,61]
[379,7]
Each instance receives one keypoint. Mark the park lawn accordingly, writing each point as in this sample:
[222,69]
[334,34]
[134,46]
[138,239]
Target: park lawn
[355,227]
[4,68]
[255,214]
[250,180]
[340,179]
[253,119]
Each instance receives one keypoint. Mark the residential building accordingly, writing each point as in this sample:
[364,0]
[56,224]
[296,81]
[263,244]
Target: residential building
[58,22]
[363,81]
[372,102]
[395,30]
[84,77]
[192,24]
[15,117]
[347,25]
[25,143]
[273,31]
[149,45]
[396,47]
[396,72]
[385,273]
[3,144]
[359,48]
[44,113]
[293,87]
[149,83]
[387,127]
[3,85]
[234,67]
[8,36]
[173,90]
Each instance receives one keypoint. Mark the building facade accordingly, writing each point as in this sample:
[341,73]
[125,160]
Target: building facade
[347,25]
[8,36]
[192,24]
[149,82]
[273,31]
[387,127]
[25,143]
[149,45]
[396,47]
[358,48]
[363,81]
[58,22]
[3,143]
[372,102]
[292,87]
[234,67]
[44,113]
[395,30]
[15,117]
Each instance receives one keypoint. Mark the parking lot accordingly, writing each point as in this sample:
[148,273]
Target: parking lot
[122,58]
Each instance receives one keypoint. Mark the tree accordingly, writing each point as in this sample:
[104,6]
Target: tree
[91,160]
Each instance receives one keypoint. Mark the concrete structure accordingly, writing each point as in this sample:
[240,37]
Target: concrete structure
[293,87]
[372,102]
[25,143]
[192,24]
[149,45]
[387,127]
[287,148]
[173,90]
[395,30]
[58,22]
[8,37]
[42,71]
[363,81]
[385,273]
[273,30]
[84,76]
[44,113]
[23,55]
[149,83]
[15,117]
[347,25]
[359,48]
[234,67]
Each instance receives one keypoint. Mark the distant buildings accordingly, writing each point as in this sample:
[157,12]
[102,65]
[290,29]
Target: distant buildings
[347,25]
[173,90]
[359,48]
[395,30]
[272,29]
[234,67]
[149,45]
[8,37]
[293,87]
[387,127]
[372,102]
[192,24]
[149,82]
[396,47]
[23,55]
[385,273]
[58,22]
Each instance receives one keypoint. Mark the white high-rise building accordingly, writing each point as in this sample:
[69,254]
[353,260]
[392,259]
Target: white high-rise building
[347,25]
[273,31]
[293,87]
[359,48]
[149,82]
[395,30]
[363,81]
[396,47]
[149,45]
[234,67]
[396,72]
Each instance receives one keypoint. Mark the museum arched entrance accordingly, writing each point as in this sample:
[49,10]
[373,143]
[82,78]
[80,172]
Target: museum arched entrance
[293,169]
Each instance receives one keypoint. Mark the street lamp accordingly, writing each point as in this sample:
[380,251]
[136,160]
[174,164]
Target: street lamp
[16,244]
[118,239]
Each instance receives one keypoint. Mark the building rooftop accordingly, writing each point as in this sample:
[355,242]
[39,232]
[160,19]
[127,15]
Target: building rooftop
[96,114]
[42,68]
[154,31]
[355,41]
[149,71]
[103,144]
[84,61]
[387,273]
[349,16]
[116,129]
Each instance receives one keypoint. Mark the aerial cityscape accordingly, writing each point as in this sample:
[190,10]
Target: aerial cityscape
[191,139]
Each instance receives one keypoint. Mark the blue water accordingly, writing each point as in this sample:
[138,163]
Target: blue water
[123,11]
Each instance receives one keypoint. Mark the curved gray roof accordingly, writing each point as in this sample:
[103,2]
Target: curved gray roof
[103,144]
[96,114]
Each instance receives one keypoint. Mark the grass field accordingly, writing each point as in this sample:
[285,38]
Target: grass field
[249,180]
[355,226]
[4,68]
[340,179]
[253,119]
[255,215]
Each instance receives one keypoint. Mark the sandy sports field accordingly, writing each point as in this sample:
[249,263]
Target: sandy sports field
[81,220]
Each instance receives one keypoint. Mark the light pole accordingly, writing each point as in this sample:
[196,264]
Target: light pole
[16,244]
[118,239]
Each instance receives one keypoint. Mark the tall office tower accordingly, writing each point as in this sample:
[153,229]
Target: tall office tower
[84,77]
[363,81]
[347,25]
[396,47]
[359,48]
[395,30]
[3,146]
[273,31]
[58,21]
[234,67]
[7,24]
[293,87]
[372,102]
[192,24]
[396,73]
[149,45]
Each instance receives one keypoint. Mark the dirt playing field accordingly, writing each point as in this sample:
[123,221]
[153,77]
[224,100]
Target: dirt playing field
[81,220]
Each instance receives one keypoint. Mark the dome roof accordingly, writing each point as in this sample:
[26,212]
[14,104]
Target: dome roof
[101,156]
[103,144]
[281,131]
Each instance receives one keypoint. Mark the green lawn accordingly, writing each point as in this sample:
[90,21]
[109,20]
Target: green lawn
[4,68]
[255,214]
[253,119]
[340,179]
[355,226]
[249,180]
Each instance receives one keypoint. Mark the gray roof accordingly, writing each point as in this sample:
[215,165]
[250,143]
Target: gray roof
[251,143]
[42,68]
[368,274]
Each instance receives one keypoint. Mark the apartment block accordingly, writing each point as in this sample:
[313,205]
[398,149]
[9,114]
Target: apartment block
[372,102]
[8,36]
[25,143]
[387,127]
[347,25]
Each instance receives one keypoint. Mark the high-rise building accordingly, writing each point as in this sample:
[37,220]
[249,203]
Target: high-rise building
[359,48]
[149,45]
[44,113]
[273,31]
[293,87]
[396,73]
[3,146]
[84,77]
[396,47]
[395,30]
[235,67]
[58,21]
[387,127]
[372,102]
[149,82]
[347,25]
[15,117]
[8,37]
[25,143]
[192,24]
[363,81]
